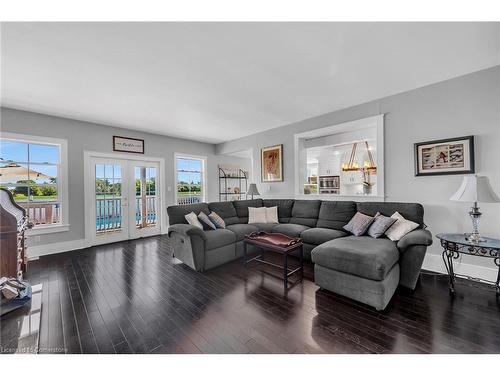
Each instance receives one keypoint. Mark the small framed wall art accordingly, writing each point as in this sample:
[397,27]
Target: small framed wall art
[445,156]
[271,159]
[126,144]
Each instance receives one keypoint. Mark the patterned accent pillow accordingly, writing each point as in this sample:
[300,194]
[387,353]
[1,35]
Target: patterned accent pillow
[192,219]
[359,224]
[217,220]
[400,227]
[205,221]
[380,225]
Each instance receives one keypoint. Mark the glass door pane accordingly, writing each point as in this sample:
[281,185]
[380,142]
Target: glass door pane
[109,202]
[146,206]
[125,200]
[108,198]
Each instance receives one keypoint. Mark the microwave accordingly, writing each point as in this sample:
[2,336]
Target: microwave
[329,185]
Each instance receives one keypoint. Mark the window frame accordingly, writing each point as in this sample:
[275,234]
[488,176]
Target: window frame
[62,179]
[373,122]
[204,188]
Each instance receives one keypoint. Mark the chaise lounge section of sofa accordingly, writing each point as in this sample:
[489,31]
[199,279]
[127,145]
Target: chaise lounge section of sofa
[363,268]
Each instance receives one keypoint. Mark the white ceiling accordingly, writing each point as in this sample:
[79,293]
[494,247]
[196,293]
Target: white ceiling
[218,81]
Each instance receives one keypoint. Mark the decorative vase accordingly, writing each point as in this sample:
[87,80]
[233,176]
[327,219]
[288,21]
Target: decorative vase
[367,189]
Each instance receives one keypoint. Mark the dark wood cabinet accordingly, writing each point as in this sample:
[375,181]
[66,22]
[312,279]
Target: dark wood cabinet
[13,223]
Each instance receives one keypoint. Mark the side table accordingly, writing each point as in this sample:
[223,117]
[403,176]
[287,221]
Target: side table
[455,244]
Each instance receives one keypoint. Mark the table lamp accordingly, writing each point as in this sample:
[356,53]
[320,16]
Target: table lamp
[252,190]
[475,189]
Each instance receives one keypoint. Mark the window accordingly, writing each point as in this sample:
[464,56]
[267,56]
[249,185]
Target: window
[33,168]
[190,179]
[342,160]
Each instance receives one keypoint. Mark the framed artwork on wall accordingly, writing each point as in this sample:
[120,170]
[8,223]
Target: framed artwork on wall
[126,144]
[445,156]
[271,161]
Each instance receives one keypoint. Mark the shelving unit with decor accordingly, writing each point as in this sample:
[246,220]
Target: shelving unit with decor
[229,182]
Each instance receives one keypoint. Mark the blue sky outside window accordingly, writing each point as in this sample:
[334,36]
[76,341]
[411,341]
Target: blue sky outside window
[41,158]
[30,171]
[189,171]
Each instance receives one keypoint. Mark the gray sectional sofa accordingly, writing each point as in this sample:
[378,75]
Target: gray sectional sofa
[363,268]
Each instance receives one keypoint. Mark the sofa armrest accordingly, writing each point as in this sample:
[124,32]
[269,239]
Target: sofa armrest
[417,237]
[188,245]
[186,230]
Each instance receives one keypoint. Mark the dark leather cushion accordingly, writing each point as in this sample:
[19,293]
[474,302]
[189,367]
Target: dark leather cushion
[226,211]
[305,212]
[371,258]
[292,230]
[284,208]
[335,214]
[176,213]
[316,236]
[410,211]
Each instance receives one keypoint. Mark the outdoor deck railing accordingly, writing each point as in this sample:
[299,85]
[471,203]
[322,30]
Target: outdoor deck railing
[150,211]
[109,213]
[42,212]
[188,199]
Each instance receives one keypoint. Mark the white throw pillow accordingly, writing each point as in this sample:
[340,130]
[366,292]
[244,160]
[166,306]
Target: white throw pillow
[256,215]
[272,215]
[400,227]
[192,219]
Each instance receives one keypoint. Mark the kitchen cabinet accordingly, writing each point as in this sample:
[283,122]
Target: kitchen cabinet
[351,178]
[328,164]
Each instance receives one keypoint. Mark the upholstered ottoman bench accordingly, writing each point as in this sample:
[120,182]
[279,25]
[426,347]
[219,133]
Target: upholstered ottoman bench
[362,268]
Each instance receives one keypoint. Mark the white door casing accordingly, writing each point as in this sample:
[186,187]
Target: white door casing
[129,223]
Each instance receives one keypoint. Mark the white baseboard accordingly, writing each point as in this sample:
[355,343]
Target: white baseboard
[34,252]
[434,262]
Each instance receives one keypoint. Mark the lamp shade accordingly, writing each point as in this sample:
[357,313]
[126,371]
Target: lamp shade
[252,190]
[475,189]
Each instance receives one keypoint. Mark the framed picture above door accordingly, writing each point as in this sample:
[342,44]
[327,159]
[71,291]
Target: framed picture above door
[271,160]
[445,156]
[126,144]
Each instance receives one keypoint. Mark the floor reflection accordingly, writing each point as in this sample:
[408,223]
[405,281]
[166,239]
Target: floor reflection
[20,329]
[354,327]
[134,297]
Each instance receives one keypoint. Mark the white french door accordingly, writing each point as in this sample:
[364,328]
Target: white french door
[122,198]
[145,199]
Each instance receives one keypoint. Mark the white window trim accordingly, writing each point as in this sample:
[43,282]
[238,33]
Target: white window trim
[204,179]
[62,179]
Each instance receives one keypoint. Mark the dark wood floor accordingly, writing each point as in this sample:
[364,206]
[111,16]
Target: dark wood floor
[133,297]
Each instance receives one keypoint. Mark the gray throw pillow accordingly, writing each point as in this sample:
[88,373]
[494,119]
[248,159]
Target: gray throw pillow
[192,219]
[380,225]
[359,224]
[205,221]
[217,220]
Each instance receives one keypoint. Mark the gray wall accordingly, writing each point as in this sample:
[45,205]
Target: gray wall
[467,105]
[93,137]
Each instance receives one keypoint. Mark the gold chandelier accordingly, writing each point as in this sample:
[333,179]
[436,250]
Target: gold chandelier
[353,166]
